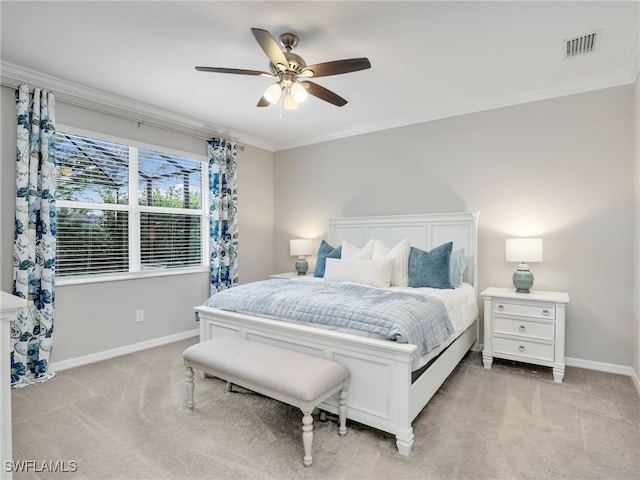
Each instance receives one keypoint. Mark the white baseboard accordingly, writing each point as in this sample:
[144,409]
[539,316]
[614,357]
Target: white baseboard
[600,366]
[116,352]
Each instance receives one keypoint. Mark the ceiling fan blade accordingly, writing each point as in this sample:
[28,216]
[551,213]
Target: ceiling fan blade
[337,67]
[324,94]
[238,71]
[263,102]
[271,48]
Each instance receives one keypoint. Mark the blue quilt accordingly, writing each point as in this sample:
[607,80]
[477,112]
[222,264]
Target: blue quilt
[402,317]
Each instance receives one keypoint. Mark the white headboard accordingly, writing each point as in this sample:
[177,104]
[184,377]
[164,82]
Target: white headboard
[424,231]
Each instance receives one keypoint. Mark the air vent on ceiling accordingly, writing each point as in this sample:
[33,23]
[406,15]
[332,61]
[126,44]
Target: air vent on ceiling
[580,45]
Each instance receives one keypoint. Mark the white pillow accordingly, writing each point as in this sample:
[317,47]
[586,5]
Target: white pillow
[349,250]
[399,255]
[366,272]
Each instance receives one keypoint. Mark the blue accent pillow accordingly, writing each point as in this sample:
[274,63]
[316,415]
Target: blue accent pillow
[457,267]
[325,251]
[430,269]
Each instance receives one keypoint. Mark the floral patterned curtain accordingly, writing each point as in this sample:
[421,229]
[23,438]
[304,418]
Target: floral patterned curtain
[223,214]
[34,250]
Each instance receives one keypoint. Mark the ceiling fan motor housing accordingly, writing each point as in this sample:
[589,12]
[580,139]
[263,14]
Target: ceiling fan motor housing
[289,41]
[296,64]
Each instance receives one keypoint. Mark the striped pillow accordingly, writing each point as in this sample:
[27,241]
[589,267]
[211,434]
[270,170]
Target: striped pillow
[349,250]
[376,273]
[399,256]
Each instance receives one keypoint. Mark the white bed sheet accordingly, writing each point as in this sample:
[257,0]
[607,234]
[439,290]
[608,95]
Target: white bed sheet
[462,307]
[461,303]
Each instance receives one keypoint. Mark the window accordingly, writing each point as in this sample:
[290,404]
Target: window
[124,209]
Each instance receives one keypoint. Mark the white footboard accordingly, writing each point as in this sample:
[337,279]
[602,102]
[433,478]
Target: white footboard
[380,394]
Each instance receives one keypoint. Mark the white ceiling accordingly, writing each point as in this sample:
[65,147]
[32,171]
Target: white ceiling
[429,59]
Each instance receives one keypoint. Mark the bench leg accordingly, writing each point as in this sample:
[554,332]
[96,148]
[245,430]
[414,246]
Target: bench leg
[190,388]
[342,411]
[307,437]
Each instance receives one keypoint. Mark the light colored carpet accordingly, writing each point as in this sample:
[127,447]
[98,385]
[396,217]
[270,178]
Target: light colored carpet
[126,418]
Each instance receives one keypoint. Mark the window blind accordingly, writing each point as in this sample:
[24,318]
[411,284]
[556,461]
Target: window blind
[107,225]
[92,241]
[169,240]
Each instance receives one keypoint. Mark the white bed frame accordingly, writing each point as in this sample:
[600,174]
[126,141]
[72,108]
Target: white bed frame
[381,393]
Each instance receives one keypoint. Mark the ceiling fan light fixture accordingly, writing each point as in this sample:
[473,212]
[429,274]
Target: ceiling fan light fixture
[298,92]
[289,103]
[272,93]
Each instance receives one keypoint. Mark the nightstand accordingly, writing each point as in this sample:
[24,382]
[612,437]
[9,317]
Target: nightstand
[290,275]
[525,327]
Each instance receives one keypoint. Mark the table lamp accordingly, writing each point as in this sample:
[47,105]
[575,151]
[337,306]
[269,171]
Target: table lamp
[300,247]
[523,250]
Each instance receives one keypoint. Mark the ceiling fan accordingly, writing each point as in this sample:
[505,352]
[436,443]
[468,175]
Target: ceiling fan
[292,72]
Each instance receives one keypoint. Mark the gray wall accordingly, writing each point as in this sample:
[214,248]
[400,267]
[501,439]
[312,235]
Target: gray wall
[96,317]
[562,169]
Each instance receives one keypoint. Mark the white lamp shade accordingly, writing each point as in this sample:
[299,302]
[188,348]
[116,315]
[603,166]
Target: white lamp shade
[272,93]
[289,103]
[298,92]
[523,250]
[300,247]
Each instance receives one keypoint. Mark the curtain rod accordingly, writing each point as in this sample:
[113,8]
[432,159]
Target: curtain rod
[130,118]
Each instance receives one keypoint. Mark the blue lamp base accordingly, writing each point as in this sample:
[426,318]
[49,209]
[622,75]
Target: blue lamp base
[302,265]
[523,279]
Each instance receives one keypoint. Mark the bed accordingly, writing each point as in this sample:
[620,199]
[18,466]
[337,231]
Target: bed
[388,387]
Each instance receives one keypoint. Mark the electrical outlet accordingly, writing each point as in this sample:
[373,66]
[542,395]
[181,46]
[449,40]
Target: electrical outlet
[139,315]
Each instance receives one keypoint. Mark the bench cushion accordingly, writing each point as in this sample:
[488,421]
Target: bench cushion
[298,375]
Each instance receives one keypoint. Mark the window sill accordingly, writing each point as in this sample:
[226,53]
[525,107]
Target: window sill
[116,277]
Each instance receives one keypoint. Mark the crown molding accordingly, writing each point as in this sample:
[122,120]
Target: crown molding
[12,75]
[623,78]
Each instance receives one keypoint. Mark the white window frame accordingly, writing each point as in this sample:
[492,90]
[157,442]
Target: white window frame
[135,210]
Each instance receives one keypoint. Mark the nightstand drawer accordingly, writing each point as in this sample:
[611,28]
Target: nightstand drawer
[524,328]
[525,310]
[524,349]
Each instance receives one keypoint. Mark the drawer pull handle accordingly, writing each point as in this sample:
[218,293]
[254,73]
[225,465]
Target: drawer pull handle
[521,348]
[546,312]
[522,328]
[500,307]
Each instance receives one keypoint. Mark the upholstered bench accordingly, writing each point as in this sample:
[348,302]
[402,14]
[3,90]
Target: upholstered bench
[290,377]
